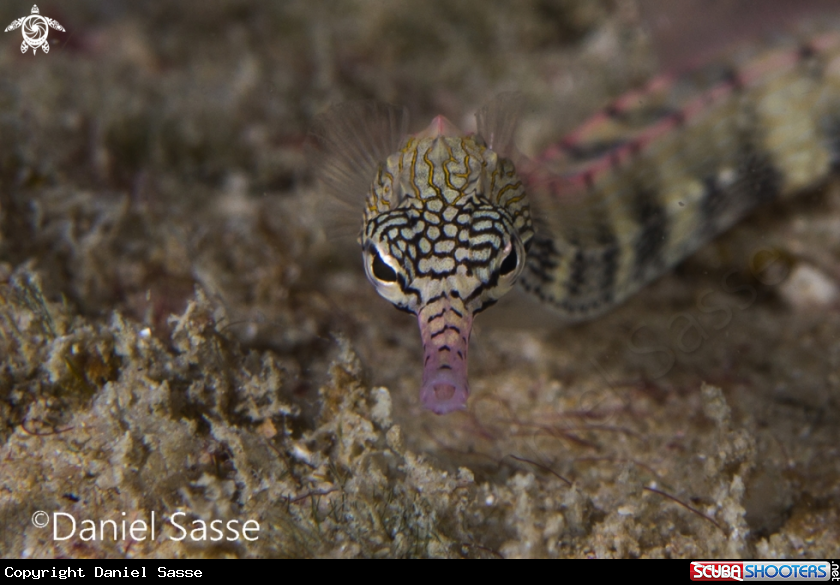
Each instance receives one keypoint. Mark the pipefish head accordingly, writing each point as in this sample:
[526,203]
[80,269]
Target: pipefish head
[445,234]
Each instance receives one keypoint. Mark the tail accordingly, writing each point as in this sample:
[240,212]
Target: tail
[667,180]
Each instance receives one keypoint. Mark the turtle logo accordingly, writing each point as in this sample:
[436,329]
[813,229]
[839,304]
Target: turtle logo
[35,29]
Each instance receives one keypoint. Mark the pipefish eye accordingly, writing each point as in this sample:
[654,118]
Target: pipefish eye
[380,269]
[509,263]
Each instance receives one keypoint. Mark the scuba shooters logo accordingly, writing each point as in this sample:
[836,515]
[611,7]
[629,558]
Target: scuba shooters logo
[762,571]
[35,29]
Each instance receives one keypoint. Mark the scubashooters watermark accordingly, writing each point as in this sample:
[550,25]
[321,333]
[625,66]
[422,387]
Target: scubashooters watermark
[35,29]
[764,571]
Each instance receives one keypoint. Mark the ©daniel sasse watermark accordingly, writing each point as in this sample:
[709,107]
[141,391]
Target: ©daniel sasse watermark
[35,29]
[125,527]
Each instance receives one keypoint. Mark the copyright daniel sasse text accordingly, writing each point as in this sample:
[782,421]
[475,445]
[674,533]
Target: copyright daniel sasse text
[173,527]
[14,573]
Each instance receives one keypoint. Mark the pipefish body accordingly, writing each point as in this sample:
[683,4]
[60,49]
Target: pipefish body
[450,223]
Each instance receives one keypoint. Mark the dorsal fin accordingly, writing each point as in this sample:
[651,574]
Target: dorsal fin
[349,142]
[497,121]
